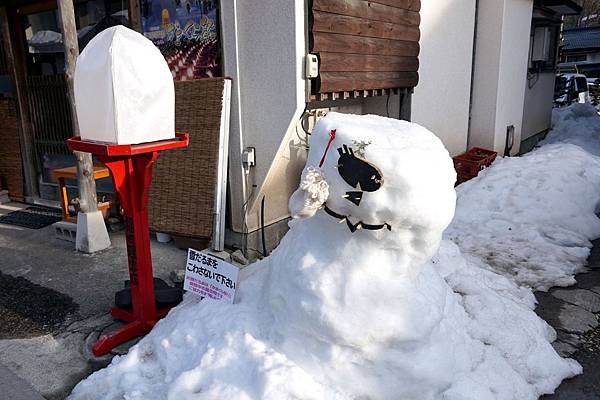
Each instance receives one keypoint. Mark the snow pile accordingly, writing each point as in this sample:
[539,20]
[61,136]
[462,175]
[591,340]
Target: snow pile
[531,218]
[358,301]
[578,124]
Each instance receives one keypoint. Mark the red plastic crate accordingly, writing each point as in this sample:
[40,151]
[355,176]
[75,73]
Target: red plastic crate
[468,165]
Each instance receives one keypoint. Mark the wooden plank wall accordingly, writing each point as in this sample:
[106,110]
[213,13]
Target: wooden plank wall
[365,45]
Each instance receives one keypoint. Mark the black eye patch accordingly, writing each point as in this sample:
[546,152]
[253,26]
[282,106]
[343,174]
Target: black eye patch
[357,172]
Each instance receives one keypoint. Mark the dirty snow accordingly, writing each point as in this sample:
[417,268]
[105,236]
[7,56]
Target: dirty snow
[379,314]
[531,218]
[576,124]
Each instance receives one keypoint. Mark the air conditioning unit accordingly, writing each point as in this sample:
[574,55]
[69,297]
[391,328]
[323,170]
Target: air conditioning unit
[541,44]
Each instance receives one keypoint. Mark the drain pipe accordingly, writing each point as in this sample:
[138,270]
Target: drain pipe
[473,55]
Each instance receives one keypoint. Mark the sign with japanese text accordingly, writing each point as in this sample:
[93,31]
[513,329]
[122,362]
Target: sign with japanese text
[187,34]
[209,276]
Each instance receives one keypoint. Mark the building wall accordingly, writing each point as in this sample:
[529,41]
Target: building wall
[441,100]
[537,110]
[593,57]
[502,50]
[10,153]
[264,46]
[486,70]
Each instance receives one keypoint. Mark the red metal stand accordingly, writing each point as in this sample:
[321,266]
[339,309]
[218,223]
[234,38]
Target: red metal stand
[131,169]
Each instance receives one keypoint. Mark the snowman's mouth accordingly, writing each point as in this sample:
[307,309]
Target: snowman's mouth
[359,225]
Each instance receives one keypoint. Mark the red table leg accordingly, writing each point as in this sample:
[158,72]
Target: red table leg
[132,177]
[131,168]
[108,342]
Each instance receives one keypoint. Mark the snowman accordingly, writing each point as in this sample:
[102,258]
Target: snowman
[353,303]
[353,275]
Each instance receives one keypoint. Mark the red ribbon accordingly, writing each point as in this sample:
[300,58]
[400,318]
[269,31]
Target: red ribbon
[331,137]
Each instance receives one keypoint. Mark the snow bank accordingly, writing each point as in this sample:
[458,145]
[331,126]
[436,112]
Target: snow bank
[577,124]
[531,218]
[358,300]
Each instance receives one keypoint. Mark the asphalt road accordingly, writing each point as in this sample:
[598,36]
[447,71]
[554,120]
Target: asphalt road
[586,386]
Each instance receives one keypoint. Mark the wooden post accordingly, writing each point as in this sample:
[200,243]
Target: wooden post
[91,235]
[135,15]
[15,60]
[85,167]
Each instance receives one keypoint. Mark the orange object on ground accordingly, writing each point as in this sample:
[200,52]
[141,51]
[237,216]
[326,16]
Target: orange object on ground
[469,164]
[62,174]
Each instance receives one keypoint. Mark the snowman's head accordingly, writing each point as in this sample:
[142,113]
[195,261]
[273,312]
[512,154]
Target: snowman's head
[377,174]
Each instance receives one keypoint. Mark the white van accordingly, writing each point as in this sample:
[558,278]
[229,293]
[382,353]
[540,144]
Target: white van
[571,88]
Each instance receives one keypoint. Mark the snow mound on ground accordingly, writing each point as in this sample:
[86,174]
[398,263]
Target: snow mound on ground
[577,124]
[340,312]
[531,218]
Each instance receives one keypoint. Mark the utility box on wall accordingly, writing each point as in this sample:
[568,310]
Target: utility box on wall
[541,44]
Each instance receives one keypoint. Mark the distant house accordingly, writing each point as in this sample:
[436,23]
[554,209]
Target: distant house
[488,70]
[580,51]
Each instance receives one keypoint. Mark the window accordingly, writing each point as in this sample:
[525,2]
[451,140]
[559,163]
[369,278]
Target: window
[576,58]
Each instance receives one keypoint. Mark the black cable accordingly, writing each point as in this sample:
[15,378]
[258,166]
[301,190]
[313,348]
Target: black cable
[302,120]
[244,224]
[262,226]
[387,104]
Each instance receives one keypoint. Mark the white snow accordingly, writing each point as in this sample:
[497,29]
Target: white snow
[531,218]
[577,124]
[386,314]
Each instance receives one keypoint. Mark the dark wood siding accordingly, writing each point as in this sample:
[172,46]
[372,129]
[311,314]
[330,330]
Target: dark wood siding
[365,45]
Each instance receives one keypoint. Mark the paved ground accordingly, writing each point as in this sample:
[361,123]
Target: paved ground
[54,303]
[574,312]
[15,388]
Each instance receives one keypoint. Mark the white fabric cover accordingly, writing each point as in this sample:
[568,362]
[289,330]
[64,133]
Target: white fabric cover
[124,91]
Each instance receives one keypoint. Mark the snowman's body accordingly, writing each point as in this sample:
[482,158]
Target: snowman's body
[380,322]
[371,295]
[350,305]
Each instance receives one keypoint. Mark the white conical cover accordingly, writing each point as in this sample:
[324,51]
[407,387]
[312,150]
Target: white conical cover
[124,91]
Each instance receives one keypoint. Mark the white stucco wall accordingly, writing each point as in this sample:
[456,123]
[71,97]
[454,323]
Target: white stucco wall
[537,110]
[264,47]
[502,50]
[441,100]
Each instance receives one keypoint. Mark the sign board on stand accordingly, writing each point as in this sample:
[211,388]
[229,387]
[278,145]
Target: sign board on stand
[209,276]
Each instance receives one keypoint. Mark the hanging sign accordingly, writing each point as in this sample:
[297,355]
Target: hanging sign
[187,34]
[209,276]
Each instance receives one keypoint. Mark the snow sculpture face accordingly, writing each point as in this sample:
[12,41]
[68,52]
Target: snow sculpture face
[378,175]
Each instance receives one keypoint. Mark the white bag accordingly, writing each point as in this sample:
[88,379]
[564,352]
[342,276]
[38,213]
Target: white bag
[124,90]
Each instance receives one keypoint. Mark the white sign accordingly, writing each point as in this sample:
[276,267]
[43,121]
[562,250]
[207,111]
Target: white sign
[209,276]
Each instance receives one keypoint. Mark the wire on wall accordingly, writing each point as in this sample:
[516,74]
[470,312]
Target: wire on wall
[387,104]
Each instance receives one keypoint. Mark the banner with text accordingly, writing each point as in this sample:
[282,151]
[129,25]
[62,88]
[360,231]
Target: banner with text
[187,34]
[209,276]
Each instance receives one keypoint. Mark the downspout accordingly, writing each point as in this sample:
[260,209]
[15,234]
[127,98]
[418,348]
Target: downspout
[473,55]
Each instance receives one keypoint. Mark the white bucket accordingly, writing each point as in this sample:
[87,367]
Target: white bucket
[163,237]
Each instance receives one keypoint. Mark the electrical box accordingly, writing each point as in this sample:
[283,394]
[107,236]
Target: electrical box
[249,157]
[541,44]
[312,66]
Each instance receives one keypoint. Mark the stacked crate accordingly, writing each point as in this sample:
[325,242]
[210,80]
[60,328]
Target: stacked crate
[468,165]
